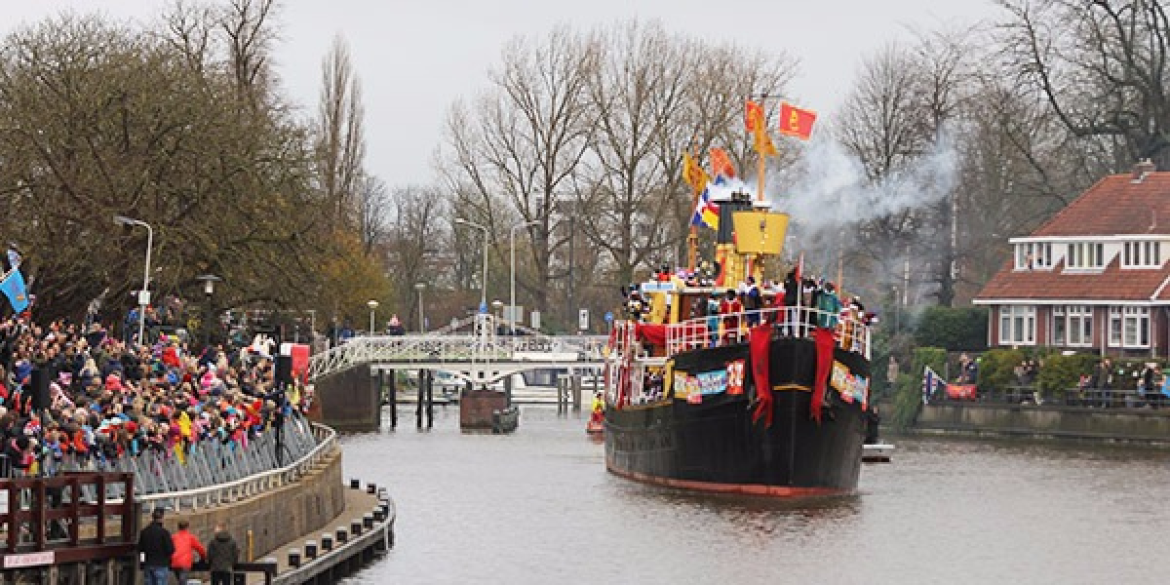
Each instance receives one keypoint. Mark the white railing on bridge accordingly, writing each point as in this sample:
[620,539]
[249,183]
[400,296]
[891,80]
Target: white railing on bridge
[446,346]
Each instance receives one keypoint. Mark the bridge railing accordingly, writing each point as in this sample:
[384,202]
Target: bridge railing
[449,348]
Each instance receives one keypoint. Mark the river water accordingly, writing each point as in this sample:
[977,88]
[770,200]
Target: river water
[538,507]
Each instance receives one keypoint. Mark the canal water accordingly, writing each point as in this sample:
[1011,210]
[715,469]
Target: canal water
[538,507]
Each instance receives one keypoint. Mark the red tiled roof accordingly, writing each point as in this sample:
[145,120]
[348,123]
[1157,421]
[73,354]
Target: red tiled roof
[1112,284]
[1116,205]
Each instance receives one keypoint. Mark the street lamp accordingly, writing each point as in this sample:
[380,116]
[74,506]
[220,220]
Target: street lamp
[144,294]
[372,304]
[422,320]
[483,289]
[208,281]
[512,250]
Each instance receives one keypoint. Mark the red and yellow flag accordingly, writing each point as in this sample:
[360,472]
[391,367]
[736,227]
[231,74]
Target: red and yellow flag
[693,174]
[753,120]
[753,116]
[721,163]
[795,121]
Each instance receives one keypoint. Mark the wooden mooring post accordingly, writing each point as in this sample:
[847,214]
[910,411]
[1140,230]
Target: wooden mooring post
[393,399]
[576,386]
[562,394]
[426,398]
[430,399]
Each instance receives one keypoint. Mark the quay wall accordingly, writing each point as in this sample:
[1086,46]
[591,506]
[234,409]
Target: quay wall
[1137,426]
[301,507]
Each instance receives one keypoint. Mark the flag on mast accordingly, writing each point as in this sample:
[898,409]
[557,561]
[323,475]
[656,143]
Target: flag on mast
[693,174]
[754,122]
[721,163]
[796,121]
[753,115]
[706,211]
[13,287]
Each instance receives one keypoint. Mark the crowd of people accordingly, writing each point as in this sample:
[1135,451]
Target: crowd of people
[67,389]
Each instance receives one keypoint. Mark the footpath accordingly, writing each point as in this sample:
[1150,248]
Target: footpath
[359,503]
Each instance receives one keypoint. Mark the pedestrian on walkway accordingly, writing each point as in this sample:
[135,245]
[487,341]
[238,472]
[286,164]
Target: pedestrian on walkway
[186,545]
[155,549]
[222,556]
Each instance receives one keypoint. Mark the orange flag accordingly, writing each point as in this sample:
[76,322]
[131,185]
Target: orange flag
[721,163]
[796,122]
[693,174]
[753,116]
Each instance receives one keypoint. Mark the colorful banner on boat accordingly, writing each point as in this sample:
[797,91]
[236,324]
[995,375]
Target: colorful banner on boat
[851,387]
[693,386]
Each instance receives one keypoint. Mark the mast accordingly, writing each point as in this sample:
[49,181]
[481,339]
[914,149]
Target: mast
[693,236]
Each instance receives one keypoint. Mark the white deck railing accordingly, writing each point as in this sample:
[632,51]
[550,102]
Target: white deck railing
[717,330]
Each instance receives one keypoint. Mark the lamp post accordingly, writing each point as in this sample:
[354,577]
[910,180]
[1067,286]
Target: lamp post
[144,294]
[422,320]
[373,305]
[512,278]
[483,289]
[208,281]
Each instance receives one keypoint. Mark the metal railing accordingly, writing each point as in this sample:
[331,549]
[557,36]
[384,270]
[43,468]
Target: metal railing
[852,334]
[212,471]
[445,346]
[308,448]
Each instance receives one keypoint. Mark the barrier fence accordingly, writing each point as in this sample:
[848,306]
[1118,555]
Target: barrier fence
[211,471]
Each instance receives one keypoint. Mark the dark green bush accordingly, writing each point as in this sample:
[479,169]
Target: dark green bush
[956,329]
[907,401]
[1058,373]
[997,369]
[935,357]
[908,395]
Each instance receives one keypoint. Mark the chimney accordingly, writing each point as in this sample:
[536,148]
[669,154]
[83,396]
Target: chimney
[1143,168]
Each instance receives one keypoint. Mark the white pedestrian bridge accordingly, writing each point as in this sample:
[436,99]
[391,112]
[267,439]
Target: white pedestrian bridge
[473,350]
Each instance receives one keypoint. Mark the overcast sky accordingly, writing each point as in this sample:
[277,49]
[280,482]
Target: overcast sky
[416,57]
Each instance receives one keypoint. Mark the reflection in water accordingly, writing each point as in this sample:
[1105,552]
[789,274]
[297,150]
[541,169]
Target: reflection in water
[538,507]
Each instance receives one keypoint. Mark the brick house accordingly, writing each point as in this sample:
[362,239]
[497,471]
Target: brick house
[1094,277]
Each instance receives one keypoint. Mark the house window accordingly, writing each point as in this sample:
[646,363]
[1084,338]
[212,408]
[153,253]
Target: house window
[1129,326]
[1033,255]
[1085,255]
[1017,325]
[1072,325]
[1142,255]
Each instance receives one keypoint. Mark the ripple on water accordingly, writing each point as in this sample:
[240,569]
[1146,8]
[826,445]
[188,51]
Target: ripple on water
[539,507]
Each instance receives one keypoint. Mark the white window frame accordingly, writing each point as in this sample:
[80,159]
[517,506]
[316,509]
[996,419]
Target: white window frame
[1072,325]
[1038,253]
[1142,254]
[1017,325]
[1085,256]
[1129,327]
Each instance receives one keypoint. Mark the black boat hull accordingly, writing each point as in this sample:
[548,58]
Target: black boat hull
[718,444]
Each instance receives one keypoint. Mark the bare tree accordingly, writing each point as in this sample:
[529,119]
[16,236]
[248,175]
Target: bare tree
[636,90]
[514,160]
[373,207]
[340,135]
[188,28]
[414,242]
[1102,66]
[250,33]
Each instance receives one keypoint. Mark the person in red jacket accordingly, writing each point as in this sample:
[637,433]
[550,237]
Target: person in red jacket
[186,545]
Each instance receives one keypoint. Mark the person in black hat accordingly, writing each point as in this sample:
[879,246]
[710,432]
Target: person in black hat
[155,549]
